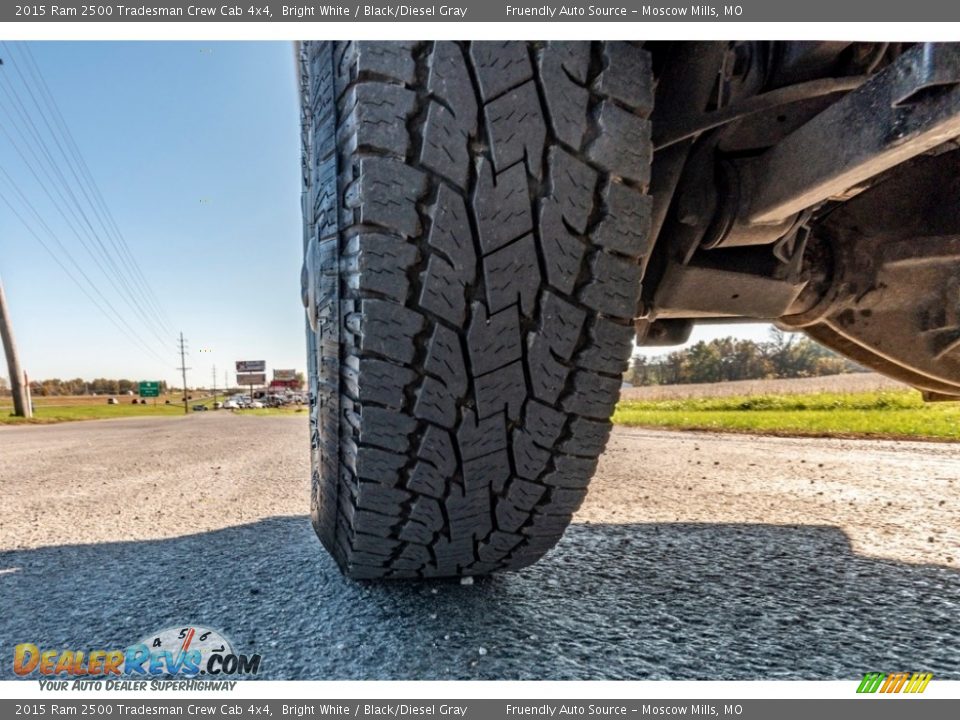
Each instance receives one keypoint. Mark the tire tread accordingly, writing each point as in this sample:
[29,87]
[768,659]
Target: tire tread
[483,226]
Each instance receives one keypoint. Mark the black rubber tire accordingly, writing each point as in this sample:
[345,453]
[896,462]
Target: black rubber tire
[479,222]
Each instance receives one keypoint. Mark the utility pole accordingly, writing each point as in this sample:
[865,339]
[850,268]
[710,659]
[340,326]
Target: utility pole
[214,384]
[21,399]
[183,369]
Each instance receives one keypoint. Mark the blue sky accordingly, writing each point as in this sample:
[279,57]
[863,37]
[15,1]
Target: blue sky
[195,148]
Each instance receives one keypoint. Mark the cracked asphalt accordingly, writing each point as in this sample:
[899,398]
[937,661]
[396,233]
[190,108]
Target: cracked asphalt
[695,556]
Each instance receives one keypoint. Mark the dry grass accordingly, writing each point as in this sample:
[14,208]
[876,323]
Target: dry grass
[63,408]
[85,400]
[849,383]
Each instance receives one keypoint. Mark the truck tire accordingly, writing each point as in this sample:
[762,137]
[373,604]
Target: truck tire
[476,228]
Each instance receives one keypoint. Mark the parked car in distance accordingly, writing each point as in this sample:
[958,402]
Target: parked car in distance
[217,405]
[199,408]
[231,405]
[112,401]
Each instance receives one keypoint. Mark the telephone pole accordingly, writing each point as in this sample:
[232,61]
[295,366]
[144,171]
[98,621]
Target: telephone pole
[214,384]
[21,401]
[183,369]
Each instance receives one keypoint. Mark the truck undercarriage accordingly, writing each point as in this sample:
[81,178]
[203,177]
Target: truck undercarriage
[813,184]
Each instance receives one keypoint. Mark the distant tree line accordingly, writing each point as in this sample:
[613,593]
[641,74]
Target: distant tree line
[785,355]
[104,386]
[79,386]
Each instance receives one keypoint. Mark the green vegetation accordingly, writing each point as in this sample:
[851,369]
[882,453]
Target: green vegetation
[893,414]
[65,409]
[51,413]
[54,387]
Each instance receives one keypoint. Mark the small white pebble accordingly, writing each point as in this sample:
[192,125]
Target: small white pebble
[433,616]
[433,591]
[481,651]
[468,580]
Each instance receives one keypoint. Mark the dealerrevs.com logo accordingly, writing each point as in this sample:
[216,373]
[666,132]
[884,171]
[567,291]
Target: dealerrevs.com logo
[191,652]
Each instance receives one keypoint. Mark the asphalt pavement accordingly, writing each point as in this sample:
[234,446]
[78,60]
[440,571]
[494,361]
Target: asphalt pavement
[695,556]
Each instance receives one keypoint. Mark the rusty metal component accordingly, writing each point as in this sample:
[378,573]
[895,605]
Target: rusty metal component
[684,88]
[894,300]
[936,68]
[873,128]
[676,130]
[802,60]
[896,308]
[839,217]
[907,109]
[693,291]
[939,397]
[663,333]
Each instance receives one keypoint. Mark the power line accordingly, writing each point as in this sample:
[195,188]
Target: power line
[46,227]
[115,274]
[75,209]
[58,208]
[116,318]
[128,330]
[44,88]
[58,117]
[68,140]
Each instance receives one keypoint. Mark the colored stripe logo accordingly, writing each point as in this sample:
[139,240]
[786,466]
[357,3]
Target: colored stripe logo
[894,683]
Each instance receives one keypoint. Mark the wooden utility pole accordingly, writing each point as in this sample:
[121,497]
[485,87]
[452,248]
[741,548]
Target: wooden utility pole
[21,399]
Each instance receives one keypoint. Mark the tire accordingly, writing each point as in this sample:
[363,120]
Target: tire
[476,227]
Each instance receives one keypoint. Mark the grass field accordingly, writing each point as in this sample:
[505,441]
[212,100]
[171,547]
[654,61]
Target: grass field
[54,409]
[877,414]
[86,407]
[860,405]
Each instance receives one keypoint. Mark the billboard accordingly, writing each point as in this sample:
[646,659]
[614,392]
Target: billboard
[251,378]
[285,375]
[292,384]
[251,366]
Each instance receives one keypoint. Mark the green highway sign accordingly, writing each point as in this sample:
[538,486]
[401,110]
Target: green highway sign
[150,388]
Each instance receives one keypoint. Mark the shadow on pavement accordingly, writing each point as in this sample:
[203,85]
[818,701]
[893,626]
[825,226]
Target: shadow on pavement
[636,601]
